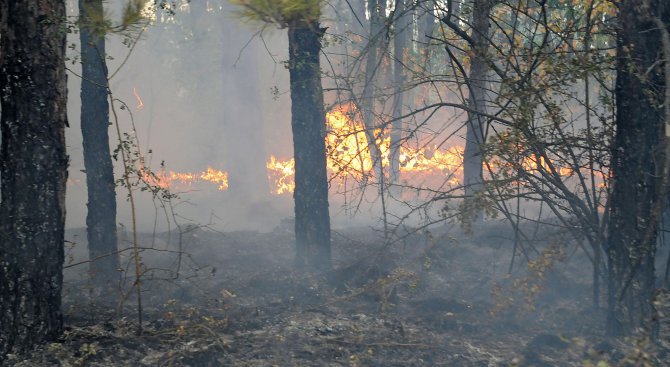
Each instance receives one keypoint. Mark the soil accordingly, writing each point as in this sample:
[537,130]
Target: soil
[438,298]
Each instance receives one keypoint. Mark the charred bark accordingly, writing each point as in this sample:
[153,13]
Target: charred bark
[308,122]
[33,172]
[101,215]
[636,165]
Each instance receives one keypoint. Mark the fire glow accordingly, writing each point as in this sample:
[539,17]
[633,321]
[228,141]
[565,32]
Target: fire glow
[348,156]
[171,179]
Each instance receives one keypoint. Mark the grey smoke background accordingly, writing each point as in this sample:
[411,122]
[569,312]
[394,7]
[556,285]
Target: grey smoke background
[214,93]
[206,84]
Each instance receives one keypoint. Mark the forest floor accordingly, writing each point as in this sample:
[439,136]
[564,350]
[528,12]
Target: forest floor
[443,298]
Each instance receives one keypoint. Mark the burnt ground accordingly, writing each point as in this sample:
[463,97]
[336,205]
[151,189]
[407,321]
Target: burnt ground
[442,298]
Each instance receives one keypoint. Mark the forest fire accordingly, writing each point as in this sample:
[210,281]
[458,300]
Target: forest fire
[446,164]
[348,156]
[280,174]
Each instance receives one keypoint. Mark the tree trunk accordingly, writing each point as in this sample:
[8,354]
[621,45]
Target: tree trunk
[367,100]
[426,22]
[637,174]
[475,137]
[101,216]
[402,27]
[33,171]
[308,122]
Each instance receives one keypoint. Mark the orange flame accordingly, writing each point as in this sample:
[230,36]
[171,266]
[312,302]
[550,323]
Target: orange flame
[140,104]
[349,155]
[281,174]
[347,145]
[173,179]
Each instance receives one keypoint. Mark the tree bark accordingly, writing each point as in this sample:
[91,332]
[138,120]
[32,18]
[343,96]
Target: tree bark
[426,22]
[367,100]
[308,122]
[475,137]
[400,41]
[636,165]
[101,216]
[33,172]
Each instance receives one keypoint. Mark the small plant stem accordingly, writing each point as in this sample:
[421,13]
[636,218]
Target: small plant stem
[136,252]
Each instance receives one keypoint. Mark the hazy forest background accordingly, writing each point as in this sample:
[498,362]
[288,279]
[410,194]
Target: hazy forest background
[335,182]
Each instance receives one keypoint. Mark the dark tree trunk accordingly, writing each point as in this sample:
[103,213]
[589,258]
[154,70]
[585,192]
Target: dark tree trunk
[308,122]
[33,171]
[101,216]
[635,165]
[475,137]
[400,41]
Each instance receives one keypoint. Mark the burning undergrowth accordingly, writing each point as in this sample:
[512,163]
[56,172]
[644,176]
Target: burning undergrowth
[429,299]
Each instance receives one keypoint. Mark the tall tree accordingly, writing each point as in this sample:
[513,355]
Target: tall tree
[477,85]
[33,171]
[639,174]
[426,20]
[403,28]
[101,216]
[376,9]
[308,123]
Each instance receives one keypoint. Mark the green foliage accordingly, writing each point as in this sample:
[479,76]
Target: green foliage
[133,14]
[282,13]
[99,21]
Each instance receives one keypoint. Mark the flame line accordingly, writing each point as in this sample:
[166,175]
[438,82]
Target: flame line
[137,95]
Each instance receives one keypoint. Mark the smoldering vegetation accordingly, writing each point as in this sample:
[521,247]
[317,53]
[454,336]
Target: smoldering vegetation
[414,282]
[440,298]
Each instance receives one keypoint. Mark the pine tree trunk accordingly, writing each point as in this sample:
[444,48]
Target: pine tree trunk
[636,172]
[33,171]
[367,99]
[101,216]
[472,157]
[308,122]
[402,28]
